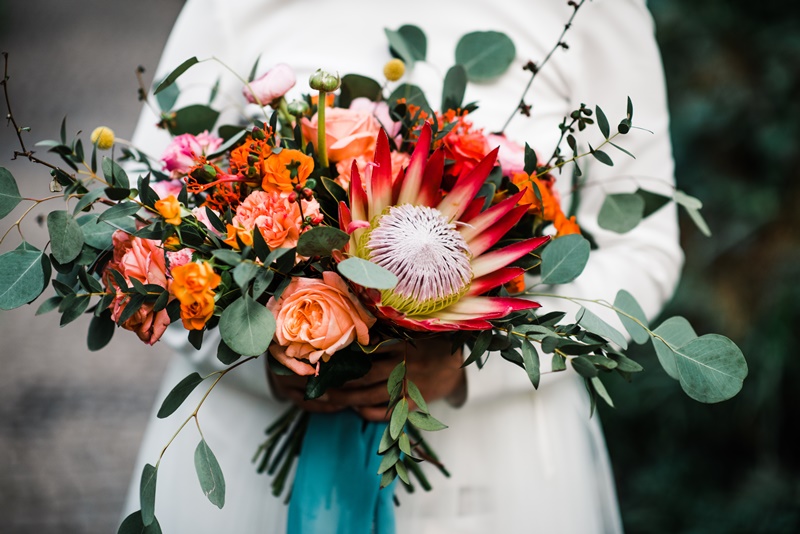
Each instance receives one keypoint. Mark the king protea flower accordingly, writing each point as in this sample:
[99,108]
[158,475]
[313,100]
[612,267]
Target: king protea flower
[436,246]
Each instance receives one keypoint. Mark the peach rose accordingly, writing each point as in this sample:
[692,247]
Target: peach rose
[142,259]
[315,318]
[279,220]
[348,132]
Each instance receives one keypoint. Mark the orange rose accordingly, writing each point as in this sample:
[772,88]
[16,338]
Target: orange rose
[170,209]
[348,132]
[516,285]
[548,208]
[195,315]
[191,281]
[245,236]
[279,221]
[314,319]
[284,170]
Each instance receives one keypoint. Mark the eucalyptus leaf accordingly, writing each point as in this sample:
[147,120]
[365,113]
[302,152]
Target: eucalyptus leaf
[209,474]
[583,366]
[415,39]
[9,193]
[699,221]
[627,305]
[98,234]
[66,237]
[147,493]
[75,309]
[247,327]
[172,76]
[621,212]
[677,332]
[602,122]
[119,211]
[455,86]
[321,241]
[226,355]
[652,201]
[367,274]
[413,95]
[87,199]
[244,272]
[167,97]
[564,259]
[22,277]
[479,348]
[193,120]
[356,86]
[399,417]
[114,174]
[425,421]
[601,391]
[596,325]
[485,55]
[416,396]
[133,524]
[687,201]
[531,360]
[101,330]
[711,368]
[178,395]
[229,257]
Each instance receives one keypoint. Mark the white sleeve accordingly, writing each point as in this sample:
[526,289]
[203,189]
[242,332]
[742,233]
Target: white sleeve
[612,54]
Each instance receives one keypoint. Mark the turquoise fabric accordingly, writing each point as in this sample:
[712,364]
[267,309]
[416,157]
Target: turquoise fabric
[336,487]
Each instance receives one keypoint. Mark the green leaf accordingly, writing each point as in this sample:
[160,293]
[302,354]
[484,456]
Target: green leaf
[66,236]
[627,305]
[147,493]
[210,474]
[75,309]
[601,156]
[425,421]
[711,368]
[226,355]
[583,366]
[178,394]
[564,259]
[596,325]
[621,212]
[193,120]
[558,363]
[652,201]
[698,220]
[602,122]
[402,472]
[99,234]
[9,193]
[413,95]
[396,377]
[114,174]
[367,274]
[244,272]
[355,86]
[485,55]
[172,76]
[455,85]
[121,210]
[247,327]
[22,277]
[386,441]
[228,144]
[87,199]
[479,347]
[416,396]
[388,477]
[229,257]
[405,444]
[167,97]
[49,305]
[687,201]
[531,360]
[621,149]
[601,391]
[101,330]
[321,241]
[677,332]
[408,42]
[133,524]
[390,458]
[399,417]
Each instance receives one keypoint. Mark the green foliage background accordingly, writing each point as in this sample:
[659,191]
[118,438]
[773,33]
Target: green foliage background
[733,71]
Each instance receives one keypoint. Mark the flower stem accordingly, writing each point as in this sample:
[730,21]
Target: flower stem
[322,151]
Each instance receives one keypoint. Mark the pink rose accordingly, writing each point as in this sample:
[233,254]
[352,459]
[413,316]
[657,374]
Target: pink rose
[511,155]
[167,187]
[349,133]
[381,112]
[279,220]
[183,151]
[200,214]
[314,319]
[144,260]
[179,258]
[274,84]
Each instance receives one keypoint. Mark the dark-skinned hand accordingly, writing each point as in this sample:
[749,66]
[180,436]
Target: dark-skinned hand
[431,366]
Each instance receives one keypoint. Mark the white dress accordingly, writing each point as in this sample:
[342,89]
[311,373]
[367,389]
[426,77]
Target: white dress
[521,460]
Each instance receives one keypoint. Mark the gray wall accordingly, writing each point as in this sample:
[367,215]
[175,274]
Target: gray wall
[71,420]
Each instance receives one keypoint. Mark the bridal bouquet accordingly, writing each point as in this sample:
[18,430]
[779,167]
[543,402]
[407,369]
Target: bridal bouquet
[329,226]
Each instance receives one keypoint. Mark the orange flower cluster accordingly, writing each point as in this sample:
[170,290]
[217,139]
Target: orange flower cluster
[257,161]
[193,285]
[549,207]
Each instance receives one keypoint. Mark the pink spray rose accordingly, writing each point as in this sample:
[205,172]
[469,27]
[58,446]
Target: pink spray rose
[314,319]
[279,220]
[511,156]
[184,149]
[274,84]
[144,260]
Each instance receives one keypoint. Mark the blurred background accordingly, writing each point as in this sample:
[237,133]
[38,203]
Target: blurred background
[71,422]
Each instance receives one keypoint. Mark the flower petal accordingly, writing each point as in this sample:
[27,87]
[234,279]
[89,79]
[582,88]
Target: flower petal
[413,179]
[473,209]
[488,218]
[488,307]
[429,194]
[490,236]
[491,261]
[379,185]
[456,202]
[494,279]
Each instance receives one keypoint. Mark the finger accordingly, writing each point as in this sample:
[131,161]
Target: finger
[373,413]
[378,373]
[315,405]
